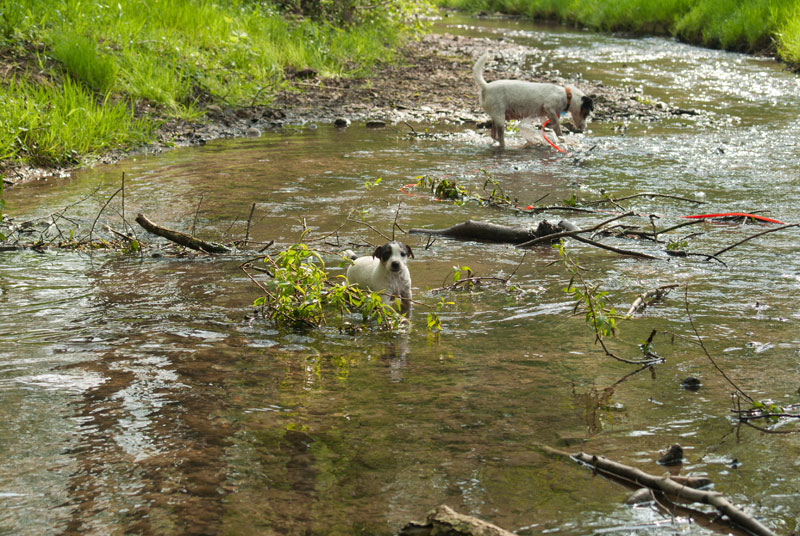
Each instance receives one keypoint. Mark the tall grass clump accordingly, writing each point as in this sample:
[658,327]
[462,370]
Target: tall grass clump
[83,61]
[789,35]
[55,126]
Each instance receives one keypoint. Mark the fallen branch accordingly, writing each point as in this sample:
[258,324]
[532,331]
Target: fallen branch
[674,490]
[570,230]
[180,238]
[491,232]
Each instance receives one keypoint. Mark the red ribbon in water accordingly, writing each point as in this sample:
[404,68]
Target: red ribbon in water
[726,214]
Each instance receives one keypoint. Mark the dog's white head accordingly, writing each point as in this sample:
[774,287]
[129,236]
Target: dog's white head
[393,255]
[580,107]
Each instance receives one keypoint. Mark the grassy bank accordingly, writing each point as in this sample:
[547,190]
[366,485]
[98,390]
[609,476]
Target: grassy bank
[754,26]
[76,77]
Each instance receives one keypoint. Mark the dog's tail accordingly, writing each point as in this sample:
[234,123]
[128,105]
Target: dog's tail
[349,254]
[477,74]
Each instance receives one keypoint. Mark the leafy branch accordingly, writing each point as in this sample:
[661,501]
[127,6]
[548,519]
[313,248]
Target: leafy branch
[598,312]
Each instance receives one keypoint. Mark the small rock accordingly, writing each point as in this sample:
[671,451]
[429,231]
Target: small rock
[691,384]
[674,456]
[341,122]
[640,496]
[252,132]
[376,123]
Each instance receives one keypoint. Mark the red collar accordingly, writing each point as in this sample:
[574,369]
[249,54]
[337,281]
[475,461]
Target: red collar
[569,98]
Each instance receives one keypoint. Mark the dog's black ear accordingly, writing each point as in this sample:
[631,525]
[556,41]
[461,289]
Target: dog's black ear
[587,104]
[409,252]
[377,252]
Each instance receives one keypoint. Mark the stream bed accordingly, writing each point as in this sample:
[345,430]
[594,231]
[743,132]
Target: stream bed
[139,394]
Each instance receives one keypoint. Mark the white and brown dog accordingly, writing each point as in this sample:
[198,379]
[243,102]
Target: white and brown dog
[504,100]
[384,271]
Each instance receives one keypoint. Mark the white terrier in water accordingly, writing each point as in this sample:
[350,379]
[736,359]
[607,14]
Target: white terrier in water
[385,270]
[515,99]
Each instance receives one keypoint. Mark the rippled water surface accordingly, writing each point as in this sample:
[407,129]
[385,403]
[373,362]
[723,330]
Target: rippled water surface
[140,397]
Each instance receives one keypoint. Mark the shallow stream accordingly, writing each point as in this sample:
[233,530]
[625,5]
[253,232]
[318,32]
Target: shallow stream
[138,394]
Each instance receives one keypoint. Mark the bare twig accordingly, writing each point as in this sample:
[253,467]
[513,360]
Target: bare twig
[91,231]
[610,199]
[705,351]
[556,236]
[615,250]
[196,212]
[249,219]
[363,222]
[720,252]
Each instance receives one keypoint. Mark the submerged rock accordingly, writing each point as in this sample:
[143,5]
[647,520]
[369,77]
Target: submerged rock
[674,456]
[691,384]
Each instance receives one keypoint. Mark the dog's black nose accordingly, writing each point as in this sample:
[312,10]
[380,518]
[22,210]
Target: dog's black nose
[395,266]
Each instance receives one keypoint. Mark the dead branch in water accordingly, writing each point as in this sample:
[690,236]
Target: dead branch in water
[641,301]
[673,490]
[491,232]
[180,238]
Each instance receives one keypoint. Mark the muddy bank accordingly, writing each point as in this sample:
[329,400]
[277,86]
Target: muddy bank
[430,82]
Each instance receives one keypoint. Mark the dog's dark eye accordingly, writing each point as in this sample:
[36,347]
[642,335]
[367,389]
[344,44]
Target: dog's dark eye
[402,253]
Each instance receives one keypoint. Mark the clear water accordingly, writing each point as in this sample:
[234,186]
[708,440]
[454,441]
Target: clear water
[139,397]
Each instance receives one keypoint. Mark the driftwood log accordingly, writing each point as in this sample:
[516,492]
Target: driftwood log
[444,521]
[674,489]
[180,238]
[482,231]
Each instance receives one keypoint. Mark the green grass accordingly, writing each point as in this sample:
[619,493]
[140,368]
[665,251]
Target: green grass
[58,125]
[176,56]
[754,26]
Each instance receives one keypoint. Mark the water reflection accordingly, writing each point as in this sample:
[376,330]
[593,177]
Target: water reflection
[140,395]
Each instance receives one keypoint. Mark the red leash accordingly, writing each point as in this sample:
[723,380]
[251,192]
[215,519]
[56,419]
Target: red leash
[726,214]
[556,147]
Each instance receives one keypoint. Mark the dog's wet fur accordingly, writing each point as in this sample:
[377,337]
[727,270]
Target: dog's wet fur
[505,100]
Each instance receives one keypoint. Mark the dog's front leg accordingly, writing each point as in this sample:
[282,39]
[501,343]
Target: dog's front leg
[553,117]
